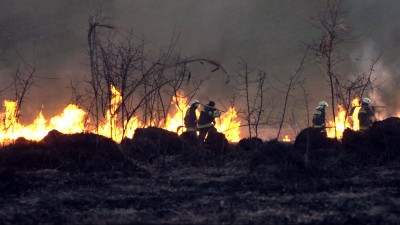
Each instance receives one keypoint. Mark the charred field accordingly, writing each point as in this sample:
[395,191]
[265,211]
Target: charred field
[158,177]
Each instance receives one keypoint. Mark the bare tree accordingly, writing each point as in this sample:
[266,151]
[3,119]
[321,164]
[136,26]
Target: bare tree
[293,81]
[254,112]
[334,31]
[147,83]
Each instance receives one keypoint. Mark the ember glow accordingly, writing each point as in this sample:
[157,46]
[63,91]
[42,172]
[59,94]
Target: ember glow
[74,120]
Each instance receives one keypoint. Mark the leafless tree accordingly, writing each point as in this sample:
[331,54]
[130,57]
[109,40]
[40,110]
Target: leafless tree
[254,112]
[334,32]
[146,82]
[293,81]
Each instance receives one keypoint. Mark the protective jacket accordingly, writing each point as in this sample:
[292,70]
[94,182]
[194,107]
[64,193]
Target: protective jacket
[191,119]
[319,118]
[206,118]
[365,116]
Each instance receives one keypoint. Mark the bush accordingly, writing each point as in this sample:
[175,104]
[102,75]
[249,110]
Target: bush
[314,139]
[167,142]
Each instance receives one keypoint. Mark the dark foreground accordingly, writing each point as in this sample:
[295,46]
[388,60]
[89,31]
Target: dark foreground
[159,178]
[175,194]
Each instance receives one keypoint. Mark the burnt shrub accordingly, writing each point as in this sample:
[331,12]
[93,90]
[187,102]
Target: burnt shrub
[314,140]
[67,152]
[53,135]
[213,152]
[358,149]
[277,155]
[85,151]
[355,139]
[167,142]
[26,155]
[250,144]
[377,145]
[385,138]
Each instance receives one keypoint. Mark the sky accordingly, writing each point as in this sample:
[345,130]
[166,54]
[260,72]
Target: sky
[266,34]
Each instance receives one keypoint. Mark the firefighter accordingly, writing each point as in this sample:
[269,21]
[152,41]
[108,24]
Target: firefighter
[319,117]
[191,118]
[207,120]
[366,114]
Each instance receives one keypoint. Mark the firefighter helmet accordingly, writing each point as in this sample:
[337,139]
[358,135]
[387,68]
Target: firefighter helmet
[366,100]
[195,103]
[323,103]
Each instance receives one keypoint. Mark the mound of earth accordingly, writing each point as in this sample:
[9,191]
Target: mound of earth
[190,138]
[311,139]
[217,143]
[250,144]
[67,152]
[150,143]
[378,145]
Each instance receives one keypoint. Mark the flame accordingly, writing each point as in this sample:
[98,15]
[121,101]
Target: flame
[229,125]
[286,139]
[73,120]
[175,121]
[109,128]
[344,121]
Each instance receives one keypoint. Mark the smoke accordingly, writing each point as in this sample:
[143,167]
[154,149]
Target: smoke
[268,34]
[384,94]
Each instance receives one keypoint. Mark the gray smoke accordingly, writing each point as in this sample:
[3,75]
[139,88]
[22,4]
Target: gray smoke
[267,34]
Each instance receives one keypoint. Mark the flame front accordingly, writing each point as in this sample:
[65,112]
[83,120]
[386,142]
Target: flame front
[73,120]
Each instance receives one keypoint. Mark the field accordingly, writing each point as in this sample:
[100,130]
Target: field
[249,183]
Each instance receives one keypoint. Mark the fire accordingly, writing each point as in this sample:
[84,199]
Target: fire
[229,125]
[175,121]
[344,121]
[74,120]
[286,139]
[71,120]
[109,128]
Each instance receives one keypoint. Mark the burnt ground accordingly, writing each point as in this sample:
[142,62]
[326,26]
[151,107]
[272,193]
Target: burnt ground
[238,187]
[193,195]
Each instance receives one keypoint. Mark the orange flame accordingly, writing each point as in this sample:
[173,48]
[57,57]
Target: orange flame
[109,128]
[343,122]
[286,139]
[175,121]
[72,120]
[229,125]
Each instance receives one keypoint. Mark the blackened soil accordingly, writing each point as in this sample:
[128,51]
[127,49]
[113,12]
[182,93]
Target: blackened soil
[176,193]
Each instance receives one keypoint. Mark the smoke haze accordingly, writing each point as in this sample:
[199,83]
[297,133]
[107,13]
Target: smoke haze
[267,34]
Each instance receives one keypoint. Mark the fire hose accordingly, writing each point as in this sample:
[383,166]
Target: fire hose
[212,107]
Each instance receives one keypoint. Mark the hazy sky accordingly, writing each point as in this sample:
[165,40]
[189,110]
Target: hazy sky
[268,34]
